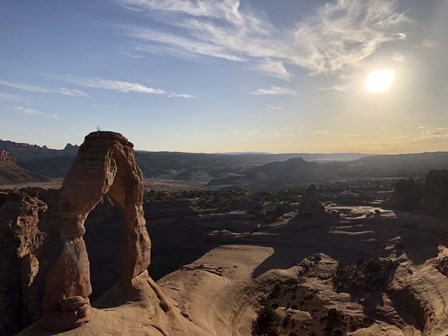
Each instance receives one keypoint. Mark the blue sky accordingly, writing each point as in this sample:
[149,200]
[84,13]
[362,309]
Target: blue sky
[219,76]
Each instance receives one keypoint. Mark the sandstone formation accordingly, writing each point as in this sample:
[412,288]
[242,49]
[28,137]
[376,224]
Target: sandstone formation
[20,241]
[11,173]
[105,165]
[309,205]
[435,199]
[290,270]
[29,250]
[407,195]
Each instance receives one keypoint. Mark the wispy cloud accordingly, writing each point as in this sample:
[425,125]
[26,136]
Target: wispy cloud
[273,107]
[32,112]
[340,34]
[8,96]
[345,32]
[181,95]
[433,136]
[398,58]
[72,92]
[274,69]
[274,90]
[121,86]
[42,89]
[114,85]
[26,110]
[429,44]
[338,88]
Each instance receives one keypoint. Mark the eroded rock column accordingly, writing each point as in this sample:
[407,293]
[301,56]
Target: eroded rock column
[105,165]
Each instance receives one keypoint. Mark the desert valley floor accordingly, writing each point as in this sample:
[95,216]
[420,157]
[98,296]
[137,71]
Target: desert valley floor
[361,271]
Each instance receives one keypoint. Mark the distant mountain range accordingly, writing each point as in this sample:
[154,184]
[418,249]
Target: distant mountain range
[296,172]
[253,170]
[26,152]
[55,163]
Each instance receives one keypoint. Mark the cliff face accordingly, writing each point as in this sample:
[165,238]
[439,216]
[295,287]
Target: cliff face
[24,151]
[11,173]
[29,245]
[6,158]
[20,242]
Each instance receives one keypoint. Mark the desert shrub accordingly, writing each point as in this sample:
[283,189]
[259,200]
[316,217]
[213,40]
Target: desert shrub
[367,276]
[267,321]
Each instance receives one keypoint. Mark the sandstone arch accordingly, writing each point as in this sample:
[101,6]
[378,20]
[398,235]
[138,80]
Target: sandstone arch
[105,164]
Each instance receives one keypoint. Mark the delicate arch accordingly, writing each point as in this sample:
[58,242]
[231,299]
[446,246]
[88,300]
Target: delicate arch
[105,164]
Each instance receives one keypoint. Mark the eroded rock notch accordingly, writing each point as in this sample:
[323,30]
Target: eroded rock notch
[105,165]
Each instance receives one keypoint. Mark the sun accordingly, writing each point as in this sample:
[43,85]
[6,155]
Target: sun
[379,80]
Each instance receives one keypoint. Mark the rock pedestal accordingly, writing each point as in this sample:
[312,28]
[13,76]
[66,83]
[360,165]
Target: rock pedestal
[105,165]
[309,205]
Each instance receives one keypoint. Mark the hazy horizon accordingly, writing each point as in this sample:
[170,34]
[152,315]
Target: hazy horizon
[232,153]
[335,76]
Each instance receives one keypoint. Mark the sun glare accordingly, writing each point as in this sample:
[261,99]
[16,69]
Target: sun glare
[379,80]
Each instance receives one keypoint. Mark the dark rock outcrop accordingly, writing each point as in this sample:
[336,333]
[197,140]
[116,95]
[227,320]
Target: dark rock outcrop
[309,204]
[435,199]
[407,195]
[20,242]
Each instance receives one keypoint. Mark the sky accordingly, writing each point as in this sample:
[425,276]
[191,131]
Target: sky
[366,76]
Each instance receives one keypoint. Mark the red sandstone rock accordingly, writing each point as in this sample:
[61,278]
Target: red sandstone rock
[73,303]
[105,165]
[52,301]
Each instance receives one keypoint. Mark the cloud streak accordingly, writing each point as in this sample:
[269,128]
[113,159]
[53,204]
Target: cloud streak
[121,86]
[32,112]
[41,89]
[114,85]
[338,88]
[274,90]
[338,35]
[8,96]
